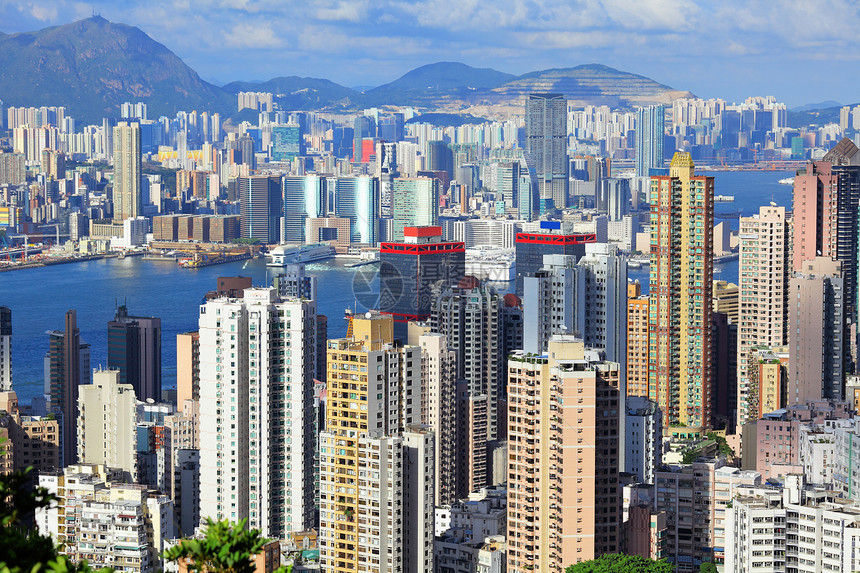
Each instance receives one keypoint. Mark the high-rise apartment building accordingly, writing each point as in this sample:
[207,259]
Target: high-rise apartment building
[257,366]
[411,270]
[187,367]
[767,372]
[564,503]
[303,197]
[33,441]
[469,315]
[637,342]
[816,324]
[439,411]
[414,203]
[826,199]
[679,328]
[5,349]
[127,196]
[586,298]
[67,366]
[260,203]
[643,438]
[650,126]
[765,269]
[134,349]
[546,146]
[373,472]
[725,299]
[106,425]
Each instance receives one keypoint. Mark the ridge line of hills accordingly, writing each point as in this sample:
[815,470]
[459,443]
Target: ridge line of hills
[93,65]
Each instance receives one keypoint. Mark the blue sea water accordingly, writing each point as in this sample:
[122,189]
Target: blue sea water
[40,297]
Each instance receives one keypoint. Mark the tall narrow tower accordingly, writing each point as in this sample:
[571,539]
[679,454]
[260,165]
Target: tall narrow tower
[650,123]
[5,349]
[546,146]
[376,462]
[564,456]
[765,269]
[257,369]
[127,198]
[65,362]
[134,348]
[679,324]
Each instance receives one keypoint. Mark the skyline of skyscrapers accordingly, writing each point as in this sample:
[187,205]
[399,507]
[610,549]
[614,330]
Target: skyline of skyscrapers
[451,422]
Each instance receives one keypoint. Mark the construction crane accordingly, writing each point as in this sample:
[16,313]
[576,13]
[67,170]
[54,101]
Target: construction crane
[4,241]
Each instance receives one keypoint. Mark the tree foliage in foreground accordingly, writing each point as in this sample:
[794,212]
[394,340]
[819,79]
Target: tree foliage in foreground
[616,563]
[224,548]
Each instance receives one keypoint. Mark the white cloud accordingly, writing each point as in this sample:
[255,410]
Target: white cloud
[343,11]
[252,36]
[44,13]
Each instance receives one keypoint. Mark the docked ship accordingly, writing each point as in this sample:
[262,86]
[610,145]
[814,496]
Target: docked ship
[284,255]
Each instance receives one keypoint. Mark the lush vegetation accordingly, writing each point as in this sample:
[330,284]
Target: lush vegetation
[224,548]
[723,447]
[616,563]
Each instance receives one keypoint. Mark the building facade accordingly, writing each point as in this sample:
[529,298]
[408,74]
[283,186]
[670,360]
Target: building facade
[257,366]
[679,328]
[546,146]
[765,269]
[564,502]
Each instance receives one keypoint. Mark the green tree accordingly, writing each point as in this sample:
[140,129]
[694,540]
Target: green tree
[722,446]
[707,567]
[616,563]
[225,548]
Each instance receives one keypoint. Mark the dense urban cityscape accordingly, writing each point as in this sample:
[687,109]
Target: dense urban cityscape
[568,321]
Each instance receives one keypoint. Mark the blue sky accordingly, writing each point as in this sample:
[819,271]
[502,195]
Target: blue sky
[798,50]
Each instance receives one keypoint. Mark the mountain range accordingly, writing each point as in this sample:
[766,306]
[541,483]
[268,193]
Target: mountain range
[92,66]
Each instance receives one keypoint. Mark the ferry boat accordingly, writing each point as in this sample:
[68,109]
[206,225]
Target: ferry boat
[284,255]
[724,199]
[787,181]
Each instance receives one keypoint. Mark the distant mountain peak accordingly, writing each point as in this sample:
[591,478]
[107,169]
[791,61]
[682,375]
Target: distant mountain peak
[93,65]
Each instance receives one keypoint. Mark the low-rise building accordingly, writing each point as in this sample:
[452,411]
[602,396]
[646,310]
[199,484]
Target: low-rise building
[795,528]
[99,519]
